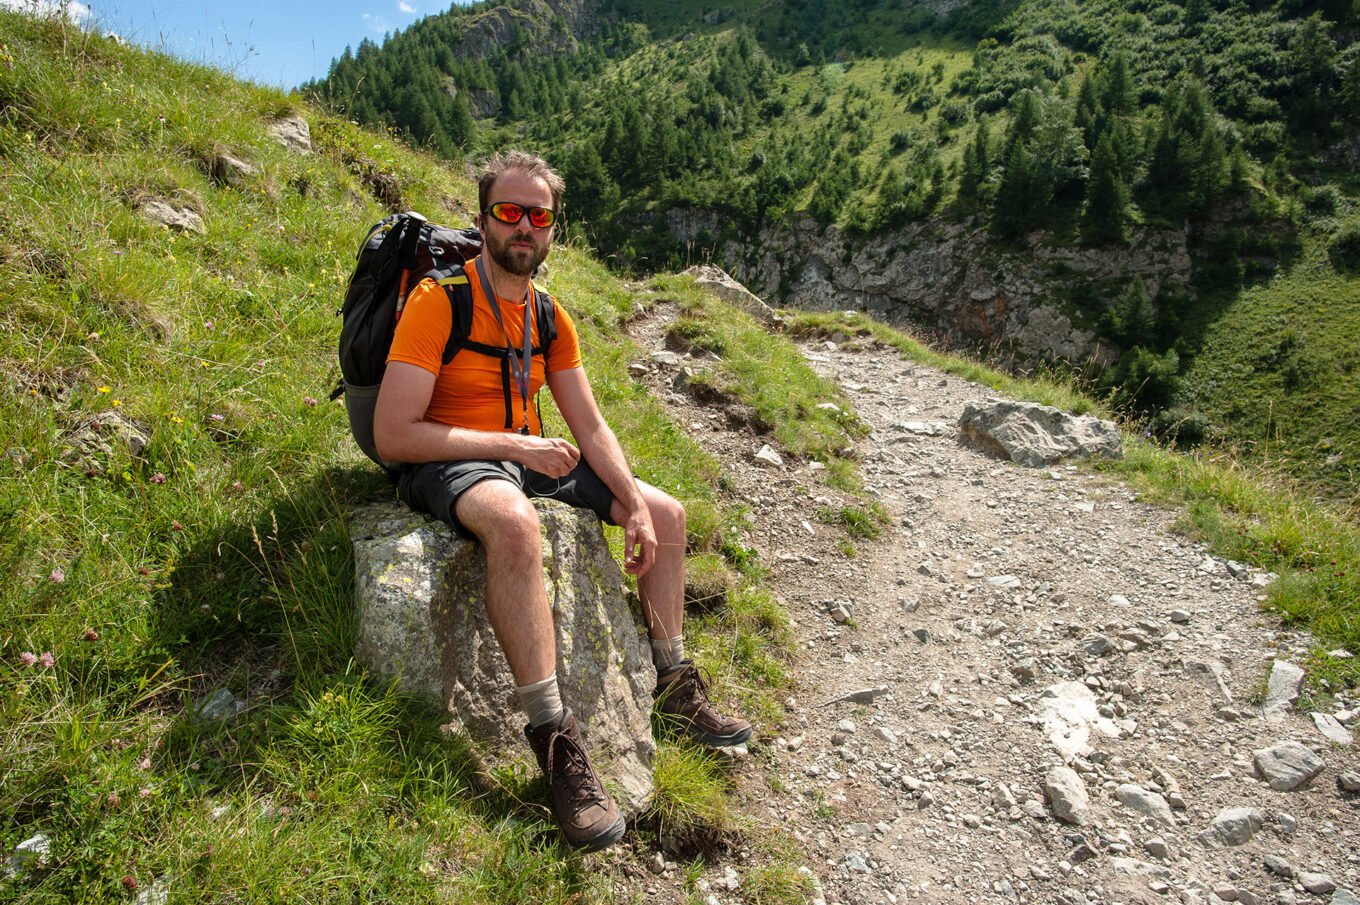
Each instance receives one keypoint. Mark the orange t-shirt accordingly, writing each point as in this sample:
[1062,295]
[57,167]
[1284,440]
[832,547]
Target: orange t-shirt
[469,391]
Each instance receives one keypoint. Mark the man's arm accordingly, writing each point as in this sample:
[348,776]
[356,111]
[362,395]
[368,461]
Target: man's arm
[575,400]
[403,435]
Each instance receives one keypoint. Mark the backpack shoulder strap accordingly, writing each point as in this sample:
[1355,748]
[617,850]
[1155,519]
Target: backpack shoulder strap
[455,283]
[546,314]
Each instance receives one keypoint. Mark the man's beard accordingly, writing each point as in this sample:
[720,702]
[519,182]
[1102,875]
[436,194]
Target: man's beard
[517,261]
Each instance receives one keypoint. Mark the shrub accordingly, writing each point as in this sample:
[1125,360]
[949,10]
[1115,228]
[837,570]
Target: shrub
[1185,428]
[1344,249]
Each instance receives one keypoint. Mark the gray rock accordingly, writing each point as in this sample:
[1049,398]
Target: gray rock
[1287,766]
[1345,897]
[1318,884]
[1279,866]
[1033,809]
[1149,804]
[720,283]
[293,133]
[1349,781]
[1236,826]
[32,852]
[228,170]
[1157,847]
[179,219]
[1036,435]
[158,893]
[1210,675]
[220,705]
[1180,617]
[420,590]
[861,696]
[1286,681]
[95,440]
[767,455]
[1331,729]
[1067,797]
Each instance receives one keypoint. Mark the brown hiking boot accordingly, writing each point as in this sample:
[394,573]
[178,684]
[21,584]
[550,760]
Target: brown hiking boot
[682,702]
[583,809]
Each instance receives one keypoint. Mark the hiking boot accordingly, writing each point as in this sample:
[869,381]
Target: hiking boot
[583,809]
[682,702]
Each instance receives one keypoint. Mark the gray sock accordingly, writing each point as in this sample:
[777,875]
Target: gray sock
[667,653]
[542,702]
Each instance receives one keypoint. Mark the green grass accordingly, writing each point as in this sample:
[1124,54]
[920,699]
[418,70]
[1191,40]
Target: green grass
[219,555]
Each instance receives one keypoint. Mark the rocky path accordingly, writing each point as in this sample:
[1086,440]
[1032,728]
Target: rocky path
[1031,689]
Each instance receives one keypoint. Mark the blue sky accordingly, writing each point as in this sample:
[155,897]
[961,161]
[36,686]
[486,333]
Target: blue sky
[282,43]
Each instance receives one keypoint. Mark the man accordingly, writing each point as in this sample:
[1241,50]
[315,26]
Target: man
[471,440]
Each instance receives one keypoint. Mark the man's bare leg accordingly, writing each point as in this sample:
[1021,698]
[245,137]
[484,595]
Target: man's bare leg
[663,587]
[506,523]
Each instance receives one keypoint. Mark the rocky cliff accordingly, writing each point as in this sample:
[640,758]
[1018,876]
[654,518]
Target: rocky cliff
[950,279]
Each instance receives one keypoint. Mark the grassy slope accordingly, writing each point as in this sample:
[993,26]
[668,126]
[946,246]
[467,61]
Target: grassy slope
[220,555]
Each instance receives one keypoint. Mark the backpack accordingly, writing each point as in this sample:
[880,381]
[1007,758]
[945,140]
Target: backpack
[395,255]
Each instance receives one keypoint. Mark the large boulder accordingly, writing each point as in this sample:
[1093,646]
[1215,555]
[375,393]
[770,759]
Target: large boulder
[720,283]
[1036,435]
[420,592]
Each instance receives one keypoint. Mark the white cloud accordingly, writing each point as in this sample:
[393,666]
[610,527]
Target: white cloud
[407,8]
[376,24]
[76,12]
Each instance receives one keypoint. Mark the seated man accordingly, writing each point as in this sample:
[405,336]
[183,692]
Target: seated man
[471,439]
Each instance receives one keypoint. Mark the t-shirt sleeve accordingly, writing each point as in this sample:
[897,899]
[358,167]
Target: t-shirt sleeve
[424,327]
[565,353]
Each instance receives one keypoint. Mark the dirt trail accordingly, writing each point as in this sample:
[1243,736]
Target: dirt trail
[1013,620]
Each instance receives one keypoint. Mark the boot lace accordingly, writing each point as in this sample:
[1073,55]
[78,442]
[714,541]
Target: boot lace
[567,763]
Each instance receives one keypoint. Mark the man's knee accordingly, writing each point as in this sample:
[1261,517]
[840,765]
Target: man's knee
[668,513]
[503,519]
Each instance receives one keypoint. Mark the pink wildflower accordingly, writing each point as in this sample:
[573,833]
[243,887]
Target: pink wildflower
[309,401]
[28,658]
[57,576]
[46,660]
[208,325]
[216,417]
[158,478]
[145,764]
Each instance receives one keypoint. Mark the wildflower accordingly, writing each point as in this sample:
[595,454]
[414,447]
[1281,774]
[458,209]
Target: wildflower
[57,576]
[203,363]
[94,336]
[177,419]
[260,364]
[105,389]
[112,800]
[91,635]
[143,570]
[145,764]
[117,403]
[28,658]
[176,526]
[237,486]
[216,417]
[309,401]
[130,883]
[46,660]
[158,478]
[144,793]
[208,325]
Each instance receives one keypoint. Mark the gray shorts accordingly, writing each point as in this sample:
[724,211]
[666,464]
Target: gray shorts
[434,487]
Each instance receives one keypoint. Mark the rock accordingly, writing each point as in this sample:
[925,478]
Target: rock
[1210,675]
[1069,712]
[1287,766]
[158,893]
[1279,866]
[862,696]
[95,440]
[1331,728]
[32,852]
[1066,794]
[179,219]
[1349,781]
[1345,897]
[1033,809]
[1235,826]
[419,591]
[1317,883]
[766,455]
[1180,617]
[1157,847]
[228,170]
[1149,804]
[220,705]
[1285,684]
[1036,435]
[293,133]
[720,283]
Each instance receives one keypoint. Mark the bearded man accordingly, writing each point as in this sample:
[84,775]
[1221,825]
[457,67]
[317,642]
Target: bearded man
[474,455]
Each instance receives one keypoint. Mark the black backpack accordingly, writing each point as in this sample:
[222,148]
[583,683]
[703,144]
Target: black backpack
[395,256]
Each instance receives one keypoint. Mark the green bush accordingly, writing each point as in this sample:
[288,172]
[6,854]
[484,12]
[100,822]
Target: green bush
[1344,249]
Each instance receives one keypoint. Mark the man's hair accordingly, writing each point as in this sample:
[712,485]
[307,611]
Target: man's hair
[530,165]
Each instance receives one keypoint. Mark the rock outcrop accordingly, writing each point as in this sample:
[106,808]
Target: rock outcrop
[420,592]
[720,283]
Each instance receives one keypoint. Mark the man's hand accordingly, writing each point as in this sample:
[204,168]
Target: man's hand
[551,456]
[639,542]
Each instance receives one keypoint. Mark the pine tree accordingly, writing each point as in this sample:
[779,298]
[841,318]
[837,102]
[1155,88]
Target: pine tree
[1012,213]
[976,167]
[1102,219]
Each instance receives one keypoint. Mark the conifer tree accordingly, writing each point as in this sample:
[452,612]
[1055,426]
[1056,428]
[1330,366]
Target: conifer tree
[1102,219]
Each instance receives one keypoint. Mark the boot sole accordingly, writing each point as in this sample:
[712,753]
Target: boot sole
[678,726]
[611,835]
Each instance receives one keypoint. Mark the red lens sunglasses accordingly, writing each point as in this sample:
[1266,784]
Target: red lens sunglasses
[511,213]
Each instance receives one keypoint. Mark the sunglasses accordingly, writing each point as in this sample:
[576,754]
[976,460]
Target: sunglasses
[511,213]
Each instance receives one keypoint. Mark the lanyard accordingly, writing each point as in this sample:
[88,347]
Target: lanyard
[521,363]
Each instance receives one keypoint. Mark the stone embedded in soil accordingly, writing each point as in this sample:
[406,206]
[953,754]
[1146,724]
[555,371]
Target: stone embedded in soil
[1149,804]
[1066,793]
[1319,884]
[1331,729]
[1349,781]
[1287,766]
[1282,690]
[1235,826]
